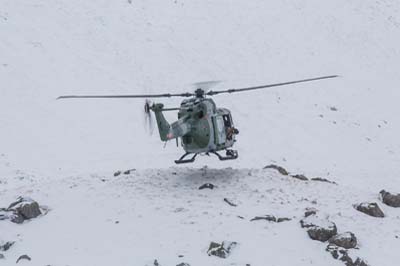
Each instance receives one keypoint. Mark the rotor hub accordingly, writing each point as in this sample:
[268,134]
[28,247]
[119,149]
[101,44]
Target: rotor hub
[199,93]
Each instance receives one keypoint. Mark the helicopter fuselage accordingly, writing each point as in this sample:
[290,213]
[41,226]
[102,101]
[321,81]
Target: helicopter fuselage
[201,126]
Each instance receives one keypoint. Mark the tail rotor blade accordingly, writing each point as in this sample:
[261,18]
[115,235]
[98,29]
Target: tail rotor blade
[148,118]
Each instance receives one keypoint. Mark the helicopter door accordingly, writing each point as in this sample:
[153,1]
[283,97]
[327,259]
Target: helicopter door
[219,129]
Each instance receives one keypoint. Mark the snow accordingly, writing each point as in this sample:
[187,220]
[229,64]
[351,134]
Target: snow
[58,152]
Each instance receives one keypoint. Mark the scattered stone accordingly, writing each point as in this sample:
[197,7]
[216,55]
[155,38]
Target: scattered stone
[207,185]
[4,246]
[346,240]
[155,263]
[117,173]
[269,218]
[280,169]
[389,199]
[24,257]
[310,211]
[283,219]
[371,209]
[320,179]
[222,250]
[301,177]
[183,264]
[333,108]
[128,172]
[1,256]
[240,217]
[342,254]
[319,229]
[230,203]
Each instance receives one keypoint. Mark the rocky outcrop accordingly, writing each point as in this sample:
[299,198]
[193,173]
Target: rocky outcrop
[222,250]
[343,254]
[183,264]
[392,200]
[280,169]
[346,240]
[371,209]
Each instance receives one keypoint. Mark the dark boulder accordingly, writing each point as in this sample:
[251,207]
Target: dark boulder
[222,250]
[319,229]
[1,256]
[371,209]
[392,200]
[25,207]
[183,264]
[346,240]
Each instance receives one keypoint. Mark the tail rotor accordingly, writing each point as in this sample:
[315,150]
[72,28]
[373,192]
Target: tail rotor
[148,118]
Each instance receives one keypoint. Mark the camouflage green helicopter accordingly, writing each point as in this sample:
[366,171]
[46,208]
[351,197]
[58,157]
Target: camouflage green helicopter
[202,127]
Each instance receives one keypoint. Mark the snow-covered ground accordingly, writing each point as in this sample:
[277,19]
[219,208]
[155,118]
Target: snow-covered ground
[58,152]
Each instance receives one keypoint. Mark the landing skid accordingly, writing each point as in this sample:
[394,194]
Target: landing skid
[230,155]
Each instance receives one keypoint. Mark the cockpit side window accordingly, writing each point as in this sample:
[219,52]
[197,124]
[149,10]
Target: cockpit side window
[227,121]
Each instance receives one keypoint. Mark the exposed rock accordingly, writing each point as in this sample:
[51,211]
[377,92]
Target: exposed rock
[301,177]
[222,250]
[389,199]
[1,256]
[280,169]
[319,229]
[128,172]
[25,207]
[342,254]
[117,173]
[283,219]
[269,218]
[207,185]
[23,257]
[155,263]
[183,264]
[320,179]
[4,246]
[371,209]
[310,211]
[346,240]
[230,203]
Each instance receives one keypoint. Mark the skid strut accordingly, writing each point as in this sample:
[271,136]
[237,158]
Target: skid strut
[182,160]
[230,155]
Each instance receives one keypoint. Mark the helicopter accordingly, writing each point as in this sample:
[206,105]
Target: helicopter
[202,127]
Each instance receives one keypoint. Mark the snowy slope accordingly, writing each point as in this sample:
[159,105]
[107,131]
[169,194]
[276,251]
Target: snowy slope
[63,47]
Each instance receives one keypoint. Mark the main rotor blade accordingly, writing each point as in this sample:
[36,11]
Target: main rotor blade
[186,94]
[268,86]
